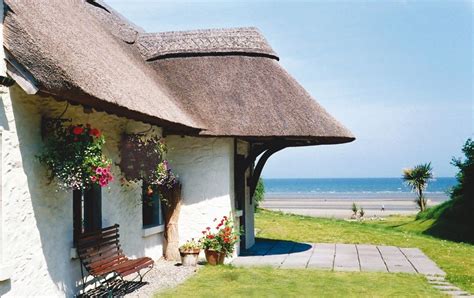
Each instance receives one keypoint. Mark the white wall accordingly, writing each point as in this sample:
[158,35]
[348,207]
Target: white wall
[37,218]
[205,168]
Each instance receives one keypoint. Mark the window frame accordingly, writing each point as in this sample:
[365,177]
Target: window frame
[151,211]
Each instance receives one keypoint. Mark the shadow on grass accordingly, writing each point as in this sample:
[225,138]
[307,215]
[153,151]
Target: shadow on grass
[450,222]
[264,246]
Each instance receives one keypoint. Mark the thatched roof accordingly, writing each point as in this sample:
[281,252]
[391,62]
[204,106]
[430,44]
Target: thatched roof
[228,82]
[72,54]
[212,42]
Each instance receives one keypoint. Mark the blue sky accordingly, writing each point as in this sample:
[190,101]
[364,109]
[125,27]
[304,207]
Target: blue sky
[397,73]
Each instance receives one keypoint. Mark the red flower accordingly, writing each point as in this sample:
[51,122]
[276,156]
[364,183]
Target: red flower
[77,130]
[94,132]
[210,236]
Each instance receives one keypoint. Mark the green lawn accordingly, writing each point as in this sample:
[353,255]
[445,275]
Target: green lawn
[456,259]
[227,281]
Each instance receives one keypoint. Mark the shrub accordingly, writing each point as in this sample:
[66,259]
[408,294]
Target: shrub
[462,194]
[259,194]
[354,209]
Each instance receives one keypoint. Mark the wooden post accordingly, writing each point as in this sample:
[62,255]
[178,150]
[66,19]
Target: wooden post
[171,208]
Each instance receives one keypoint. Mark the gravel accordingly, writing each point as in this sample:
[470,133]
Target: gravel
[164,275]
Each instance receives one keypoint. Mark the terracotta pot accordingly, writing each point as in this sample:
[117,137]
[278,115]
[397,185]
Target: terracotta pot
[189,257]
[214,257]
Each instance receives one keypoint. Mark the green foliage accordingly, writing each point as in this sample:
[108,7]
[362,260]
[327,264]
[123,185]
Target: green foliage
[223,239]
[454,219]
[417,179]
[190,245]
[259,195]
[462,194]
[354,208]
[74,157]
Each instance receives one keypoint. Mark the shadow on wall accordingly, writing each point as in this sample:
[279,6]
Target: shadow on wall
[52,210]
[5,287]
[3,116]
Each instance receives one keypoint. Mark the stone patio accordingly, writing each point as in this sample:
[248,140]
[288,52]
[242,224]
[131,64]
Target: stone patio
[338,257]
[347,257]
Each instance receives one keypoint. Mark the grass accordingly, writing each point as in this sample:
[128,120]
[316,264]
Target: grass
[227,281]
[456,259]
[432,222]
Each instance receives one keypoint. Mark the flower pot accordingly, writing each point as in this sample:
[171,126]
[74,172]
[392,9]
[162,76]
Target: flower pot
[214,257]
[189,257]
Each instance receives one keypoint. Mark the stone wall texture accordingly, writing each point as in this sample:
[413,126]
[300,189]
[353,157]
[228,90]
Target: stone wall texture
[37,218]
[206,169]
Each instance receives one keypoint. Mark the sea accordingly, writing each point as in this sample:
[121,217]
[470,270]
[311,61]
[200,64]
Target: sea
[354,188]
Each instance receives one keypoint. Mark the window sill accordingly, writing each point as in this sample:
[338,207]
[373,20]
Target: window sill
[153,230]
[6,272]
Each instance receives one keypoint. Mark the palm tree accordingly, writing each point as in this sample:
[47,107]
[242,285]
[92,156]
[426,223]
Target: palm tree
[417,178]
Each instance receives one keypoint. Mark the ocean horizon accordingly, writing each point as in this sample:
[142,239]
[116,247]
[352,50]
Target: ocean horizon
[354,188]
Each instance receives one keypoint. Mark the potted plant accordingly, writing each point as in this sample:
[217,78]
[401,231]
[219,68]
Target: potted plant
[190,252]
[221,243]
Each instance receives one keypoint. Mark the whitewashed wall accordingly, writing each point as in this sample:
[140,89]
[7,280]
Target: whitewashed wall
[37,219]
[206,168]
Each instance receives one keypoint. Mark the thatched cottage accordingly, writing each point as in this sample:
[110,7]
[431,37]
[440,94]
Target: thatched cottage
[218,97]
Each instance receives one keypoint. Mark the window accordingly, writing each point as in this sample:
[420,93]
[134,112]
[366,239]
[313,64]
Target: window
[151,207]
[87,211]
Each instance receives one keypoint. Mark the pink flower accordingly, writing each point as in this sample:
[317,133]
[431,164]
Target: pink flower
[93,178]
[99,171]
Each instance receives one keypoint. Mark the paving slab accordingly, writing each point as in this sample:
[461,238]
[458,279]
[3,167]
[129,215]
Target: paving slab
[247,261]
[346,258]
[340,257]
[323,256]
[395,260]
[370,259]
[421,262]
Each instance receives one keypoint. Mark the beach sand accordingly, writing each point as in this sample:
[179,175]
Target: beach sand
[341,207]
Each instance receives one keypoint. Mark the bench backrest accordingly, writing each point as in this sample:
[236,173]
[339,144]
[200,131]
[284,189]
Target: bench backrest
[100,250]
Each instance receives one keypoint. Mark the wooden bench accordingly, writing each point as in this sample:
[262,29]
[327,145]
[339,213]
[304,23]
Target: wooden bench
[100,254]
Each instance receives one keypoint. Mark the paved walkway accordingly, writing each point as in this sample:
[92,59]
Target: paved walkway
[347,257]
[338,257]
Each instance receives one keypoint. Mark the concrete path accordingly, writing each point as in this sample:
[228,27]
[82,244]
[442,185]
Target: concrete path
[346,257]
[338,257]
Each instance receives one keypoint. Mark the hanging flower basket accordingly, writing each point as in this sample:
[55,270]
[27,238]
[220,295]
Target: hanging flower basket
[73,156]
[140,156]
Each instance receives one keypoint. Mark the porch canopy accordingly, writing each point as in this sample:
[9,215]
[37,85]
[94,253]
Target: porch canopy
[212,83]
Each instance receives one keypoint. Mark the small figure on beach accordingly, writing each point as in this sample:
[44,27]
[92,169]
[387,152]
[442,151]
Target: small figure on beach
[383,208]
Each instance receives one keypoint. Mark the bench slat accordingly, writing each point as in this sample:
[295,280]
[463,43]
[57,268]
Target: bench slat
[100,253]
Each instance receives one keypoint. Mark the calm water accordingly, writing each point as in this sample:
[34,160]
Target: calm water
[353,188]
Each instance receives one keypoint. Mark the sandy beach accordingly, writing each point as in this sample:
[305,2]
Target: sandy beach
[332,206]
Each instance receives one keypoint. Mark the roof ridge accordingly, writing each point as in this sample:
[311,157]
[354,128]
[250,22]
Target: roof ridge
[242,40]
